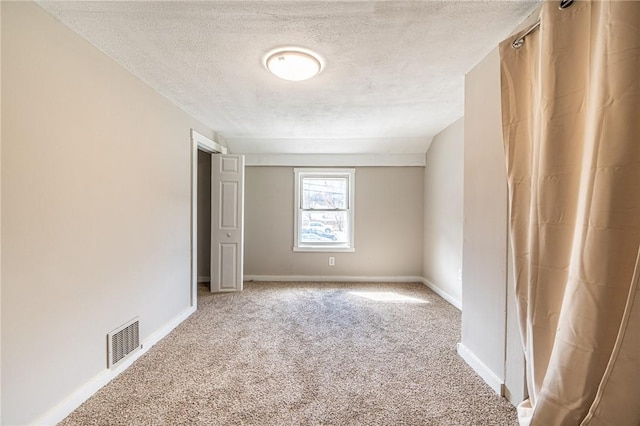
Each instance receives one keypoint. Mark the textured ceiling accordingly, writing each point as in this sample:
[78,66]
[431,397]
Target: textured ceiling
[394,74]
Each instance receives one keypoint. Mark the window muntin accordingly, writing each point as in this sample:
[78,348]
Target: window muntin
[324,209]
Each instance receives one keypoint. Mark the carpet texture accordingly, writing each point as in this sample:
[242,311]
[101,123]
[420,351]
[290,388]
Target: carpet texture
[305,354]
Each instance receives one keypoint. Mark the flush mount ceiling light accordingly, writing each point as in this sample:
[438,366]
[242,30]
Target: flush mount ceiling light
[293,64]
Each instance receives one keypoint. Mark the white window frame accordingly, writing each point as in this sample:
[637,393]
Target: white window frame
[301,173]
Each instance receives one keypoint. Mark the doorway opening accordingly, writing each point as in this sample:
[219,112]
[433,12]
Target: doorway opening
[204,218]
[200,145]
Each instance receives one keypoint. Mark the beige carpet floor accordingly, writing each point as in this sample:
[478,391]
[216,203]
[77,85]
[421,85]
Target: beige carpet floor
[305,354]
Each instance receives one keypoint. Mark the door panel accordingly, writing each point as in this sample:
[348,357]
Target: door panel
[230,207]
[227,261]
[227,222]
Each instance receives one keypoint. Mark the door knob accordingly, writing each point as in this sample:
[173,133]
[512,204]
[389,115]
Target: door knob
[229,234]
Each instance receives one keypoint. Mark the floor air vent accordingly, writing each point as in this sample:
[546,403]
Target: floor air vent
[122,342]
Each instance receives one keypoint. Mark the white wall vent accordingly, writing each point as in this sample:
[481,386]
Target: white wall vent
[122,342]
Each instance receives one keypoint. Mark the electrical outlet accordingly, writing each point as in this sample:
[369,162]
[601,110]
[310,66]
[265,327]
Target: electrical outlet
[332,261]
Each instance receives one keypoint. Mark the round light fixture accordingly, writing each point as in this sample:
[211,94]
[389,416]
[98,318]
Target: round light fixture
[293,64]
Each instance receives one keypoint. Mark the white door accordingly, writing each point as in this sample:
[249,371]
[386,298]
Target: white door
[227,222]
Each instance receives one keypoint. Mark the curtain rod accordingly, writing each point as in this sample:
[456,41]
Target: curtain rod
[517,43]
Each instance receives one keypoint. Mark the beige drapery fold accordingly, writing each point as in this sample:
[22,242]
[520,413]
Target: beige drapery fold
[571,125]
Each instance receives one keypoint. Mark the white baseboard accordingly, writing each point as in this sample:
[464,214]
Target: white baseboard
[440,292]
[481,369]
[332,278]
[73,401]
[203,279]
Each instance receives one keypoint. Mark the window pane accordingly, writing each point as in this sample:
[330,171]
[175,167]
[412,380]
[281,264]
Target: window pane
[324,193]
[324,227]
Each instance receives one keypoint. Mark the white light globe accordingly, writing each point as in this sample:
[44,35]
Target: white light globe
[293,65]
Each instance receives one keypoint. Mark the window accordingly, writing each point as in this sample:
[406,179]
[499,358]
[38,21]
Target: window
[324,209]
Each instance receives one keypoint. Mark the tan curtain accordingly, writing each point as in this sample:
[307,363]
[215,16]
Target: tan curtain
[571,124]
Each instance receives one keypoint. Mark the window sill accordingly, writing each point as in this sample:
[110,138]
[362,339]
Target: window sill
[335,249]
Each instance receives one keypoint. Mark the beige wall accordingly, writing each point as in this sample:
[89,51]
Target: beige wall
[489,332]
[95,209]
[388,225]
[485,218]
[0,219]
[443,205]
[204,215]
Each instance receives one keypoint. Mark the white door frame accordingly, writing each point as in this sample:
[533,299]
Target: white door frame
[198,141]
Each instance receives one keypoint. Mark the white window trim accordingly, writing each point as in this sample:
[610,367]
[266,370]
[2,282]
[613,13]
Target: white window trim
[299,173]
